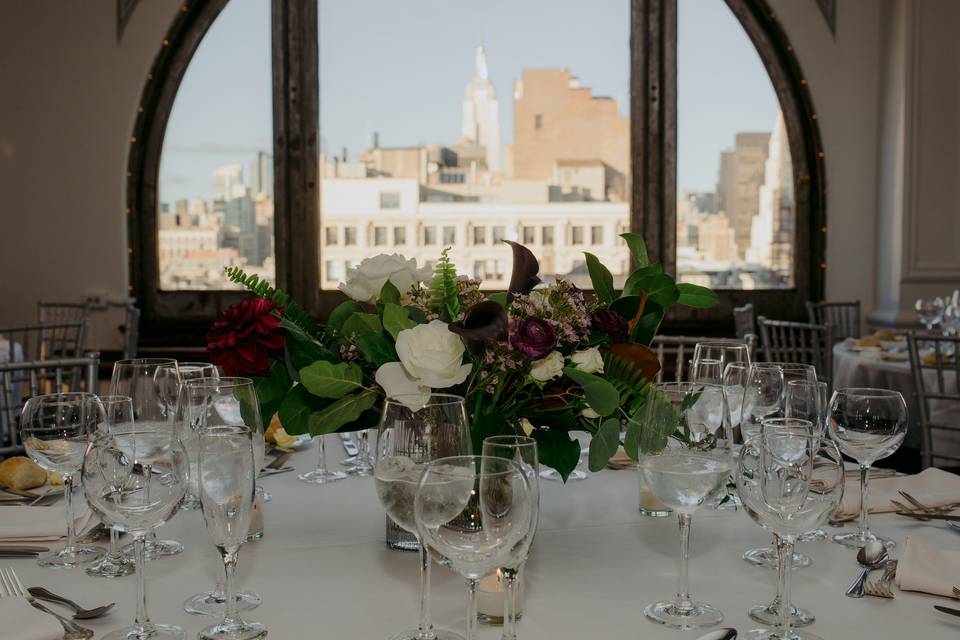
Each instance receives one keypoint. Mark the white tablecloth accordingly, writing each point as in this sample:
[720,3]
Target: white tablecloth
[323,570]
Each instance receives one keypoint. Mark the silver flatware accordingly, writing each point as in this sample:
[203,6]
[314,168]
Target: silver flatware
[882,588]
[272,472]
[929,516]
[21,551]
[953,612]
[871,556]
[12,586]
[279,461]
[79,612]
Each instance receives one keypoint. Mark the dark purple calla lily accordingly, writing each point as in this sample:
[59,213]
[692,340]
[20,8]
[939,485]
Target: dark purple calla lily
[483,322]
[525,269]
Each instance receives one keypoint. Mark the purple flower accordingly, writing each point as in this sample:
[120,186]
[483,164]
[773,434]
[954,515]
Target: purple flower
[611,323]
[533,337]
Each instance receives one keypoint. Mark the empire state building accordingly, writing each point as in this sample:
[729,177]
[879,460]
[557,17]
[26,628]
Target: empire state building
[480,122]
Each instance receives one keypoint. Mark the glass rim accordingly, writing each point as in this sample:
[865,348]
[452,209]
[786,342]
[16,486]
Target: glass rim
[196,363]
[721,344]
[473,459]
[782,423]
[114,397]
[225,429]
[44,397]
[868,392]
[130,432]
[812,383]
[235,382]
[686,384]
[146,361]
[784,365]
[433,400]
[510,441]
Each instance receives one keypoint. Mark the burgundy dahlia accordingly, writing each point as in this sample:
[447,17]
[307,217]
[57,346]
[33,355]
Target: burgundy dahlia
[533,337]
[243,338]
[611,323]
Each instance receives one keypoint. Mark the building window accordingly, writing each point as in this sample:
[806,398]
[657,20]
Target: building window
[449,236]
[389,199]
[529,235]
[596,235]
[331,236]
[499,233]
[546,236]
[399,236]
[379,236]
[349,236]
[479,235]
[576,235]
[479,270]
[429,236]
[538,121]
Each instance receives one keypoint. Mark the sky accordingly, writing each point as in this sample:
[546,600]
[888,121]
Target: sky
[400,68]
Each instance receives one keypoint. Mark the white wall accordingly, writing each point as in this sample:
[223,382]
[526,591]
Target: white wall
[68,96]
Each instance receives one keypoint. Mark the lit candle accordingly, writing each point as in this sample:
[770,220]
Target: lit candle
[490,597]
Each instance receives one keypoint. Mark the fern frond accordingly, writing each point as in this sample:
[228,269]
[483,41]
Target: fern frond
[262,289]
[444,298]
[627,379]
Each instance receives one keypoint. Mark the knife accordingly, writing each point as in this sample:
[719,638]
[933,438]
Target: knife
[277,462]
[930,516]
[22,548]
[953,612]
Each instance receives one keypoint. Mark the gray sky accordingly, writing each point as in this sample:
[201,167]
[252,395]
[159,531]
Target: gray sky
[400,67]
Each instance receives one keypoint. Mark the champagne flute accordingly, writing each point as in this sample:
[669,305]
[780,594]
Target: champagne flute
[689,469]
[55,430]
[135,481]
[415,429]
[868,425]
[227,481]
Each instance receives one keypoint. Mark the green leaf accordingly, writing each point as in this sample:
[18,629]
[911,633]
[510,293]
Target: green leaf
[601,278]
[635,281]
[689,400]
[271,389]
[499,296]
[557,450]
[377,349]
[301,352]
[339,315]
[626,306]
[638,248]
[342,412]
[489,424]
[601,395]
[604,444]
[328,380]
[659,421]
[361,324]
[631,439]
[658,286]
[396,319]
[295,410]
[444,297]
[648,324]
[560,420]
[417,314]
[389,293]
[693,295]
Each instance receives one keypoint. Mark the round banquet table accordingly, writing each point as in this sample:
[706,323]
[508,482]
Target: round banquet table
[324,572]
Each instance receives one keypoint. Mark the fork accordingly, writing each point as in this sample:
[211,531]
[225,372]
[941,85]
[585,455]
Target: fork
[10,585]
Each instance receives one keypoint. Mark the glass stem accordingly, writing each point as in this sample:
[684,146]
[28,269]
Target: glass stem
[777,603]
[68,500]
[864,502]
[322,461]
[231,614]
[114,554]
[785,554]
[683,593]
[472,608]
[139,554]
[424,625]
[510,603]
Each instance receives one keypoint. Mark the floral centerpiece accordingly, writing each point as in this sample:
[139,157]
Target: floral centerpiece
[543,359]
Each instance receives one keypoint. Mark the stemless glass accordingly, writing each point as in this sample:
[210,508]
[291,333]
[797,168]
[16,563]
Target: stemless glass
[227,481]
[930,311]
[790,480]
[476,511]
[808,401]
[523,451]
[153,385]
[689,470]
[224,402]
[135,481]
[116,417]
[725,353]
[187,424]
[706,370]
[414,430]
[55,430]
[322,474]
[867,425]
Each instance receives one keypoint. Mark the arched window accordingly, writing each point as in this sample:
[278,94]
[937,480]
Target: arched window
[295,139]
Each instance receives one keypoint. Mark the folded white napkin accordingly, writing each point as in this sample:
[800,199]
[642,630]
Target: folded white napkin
[30,623]
[923,567]
[21,523]
[933,487]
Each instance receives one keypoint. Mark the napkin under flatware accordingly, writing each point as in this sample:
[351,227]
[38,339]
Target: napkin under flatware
[31,624]
[926,568]
[21,523]
[933,487]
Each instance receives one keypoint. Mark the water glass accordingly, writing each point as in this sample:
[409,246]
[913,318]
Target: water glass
[322,474]
[723,352]
[929,311]
[55,430]
[187,424]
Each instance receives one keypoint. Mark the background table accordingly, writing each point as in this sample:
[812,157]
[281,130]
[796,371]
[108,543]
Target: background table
[324,572]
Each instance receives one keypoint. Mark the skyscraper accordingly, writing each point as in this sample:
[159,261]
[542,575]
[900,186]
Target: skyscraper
[738,184]
[261,174]
[480,119]
[772,229]
[228,182]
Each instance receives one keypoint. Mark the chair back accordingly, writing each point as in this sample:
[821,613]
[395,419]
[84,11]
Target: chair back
[44,341]
[675,353]
[22,380]
[844,316]
[800,343]
[131,330]
[58,312]
[935,366]
[745,320]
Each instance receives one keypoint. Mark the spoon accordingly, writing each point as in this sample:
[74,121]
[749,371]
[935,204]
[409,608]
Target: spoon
[726,633]
[81,614]
[870,557]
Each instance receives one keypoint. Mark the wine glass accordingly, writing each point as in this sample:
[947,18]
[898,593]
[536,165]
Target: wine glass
[790,480]
[187,423]
[224,402]
[706,370]
[55,430]
[951,320]
[322,474]
[808,401]
[362,464]
[930,311]
[867,425]
[723,352]
[523,451]
[762,397]
[478,512]
[688,470]
[153,385]
[227,480]
[415,430]
[135,481]
[116,417]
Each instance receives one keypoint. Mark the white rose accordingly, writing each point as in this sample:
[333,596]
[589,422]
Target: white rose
[433,355]
[547,368]
[365,281]
[588,360]
[397,383]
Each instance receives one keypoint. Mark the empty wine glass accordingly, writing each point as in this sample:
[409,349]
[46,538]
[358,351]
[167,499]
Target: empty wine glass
[724,352]
[55,430]
[415,430]
[867,425]
[688,470]
[930,311]
[790,480]
[706,370]
[476,511]
[187,424]
[227,481]
[523,451]
[808,401]
[135,481]
[116,417]
[362,464]
[322,474]
[762,397]
[153,385]
[223,402]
